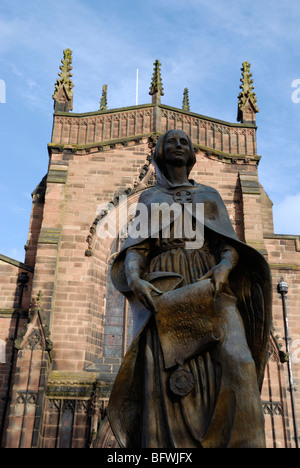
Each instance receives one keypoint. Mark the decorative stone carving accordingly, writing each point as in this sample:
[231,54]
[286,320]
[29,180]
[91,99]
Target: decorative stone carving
[36,335]
[63,93]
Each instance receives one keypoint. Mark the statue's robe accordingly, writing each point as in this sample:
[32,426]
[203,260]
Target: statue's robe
[223,409]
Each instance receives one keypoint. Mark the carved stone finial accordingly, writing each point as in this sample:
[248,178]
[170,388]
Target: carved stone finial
[63,93]
[103,102]
[156,88]
[247,105]
[186,102]
[36,335]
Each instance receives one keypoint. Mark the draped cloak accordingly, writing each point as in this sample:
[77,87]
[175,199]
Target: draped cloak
[250,283]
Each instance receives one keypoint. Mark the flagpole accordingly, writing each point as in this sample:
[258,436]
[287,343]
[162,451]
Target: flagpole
[137,87]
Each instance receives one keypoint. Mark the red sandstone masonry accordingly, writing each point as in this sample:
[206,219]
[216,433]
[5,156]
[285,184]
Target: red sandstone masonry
[8,285]
[34,229]
[9,312]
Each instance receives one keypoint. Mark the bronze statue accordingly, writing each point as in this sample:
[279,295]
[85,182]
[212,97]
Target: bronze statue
[193,374]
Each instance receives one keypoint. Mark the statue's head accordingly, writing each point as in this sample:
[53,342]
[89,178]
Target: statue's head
[165,142]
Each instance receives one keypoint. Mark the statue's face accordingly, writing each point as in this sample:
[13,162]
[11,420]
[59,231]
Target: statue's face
[177,149]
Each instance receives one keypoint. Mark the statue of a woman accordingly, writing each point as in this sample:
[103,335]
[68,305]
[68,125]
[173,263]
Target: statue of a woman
[193,374]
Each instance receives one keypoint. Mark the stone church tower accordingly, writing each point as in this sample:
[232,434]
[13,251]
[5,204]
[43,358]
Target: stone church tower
[64,329]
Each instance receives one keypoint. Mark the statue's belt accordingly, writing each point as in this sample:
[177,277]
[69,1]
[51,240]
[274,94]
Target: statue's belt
[187,324]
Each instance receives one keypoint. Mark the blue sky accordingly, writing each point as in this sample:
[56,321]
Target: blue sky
[201,45]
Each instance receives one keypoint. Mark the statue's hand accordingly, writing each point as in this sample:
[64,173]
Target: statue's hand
[142,290]
[219,275]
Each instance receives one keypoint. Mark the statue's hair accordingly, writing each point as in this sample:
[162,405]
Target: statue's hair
[158,156]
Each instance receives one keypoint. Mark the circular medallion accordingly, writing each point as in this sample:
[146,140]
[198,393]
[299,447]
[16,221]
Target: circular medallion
[181,382]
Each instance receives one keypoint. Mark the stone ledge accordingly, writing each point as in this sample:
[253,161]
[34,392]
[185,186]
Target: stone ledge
[101,146]
[69,378]
[81,385]
[106,111]
[57,176]
[284,266]
[249,184]
[283,236]
[232,158]
[9,313]
[16,263]
[286,237]
[49,236]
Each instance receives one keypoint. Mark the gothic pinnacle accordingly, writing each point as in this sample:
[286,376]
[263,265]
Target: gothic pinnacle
[247,104]
[63,92]
[103,102]
[156,88]
[186,102]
